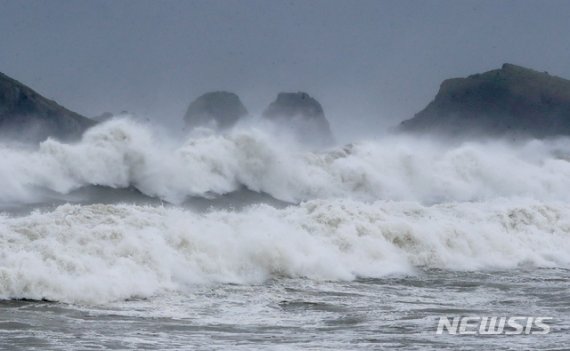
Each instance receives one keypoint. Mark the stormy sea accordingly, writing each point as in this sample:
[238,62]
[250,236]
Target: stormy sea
[133,239]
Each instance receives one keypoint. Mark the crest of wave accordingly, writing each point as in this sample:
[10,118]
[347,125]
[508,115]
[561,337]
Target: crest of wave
[101,253]
[123,153]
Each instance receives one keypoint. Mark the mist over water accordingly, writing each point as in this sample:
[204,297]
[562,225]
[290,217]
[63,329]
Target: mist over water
[124,153]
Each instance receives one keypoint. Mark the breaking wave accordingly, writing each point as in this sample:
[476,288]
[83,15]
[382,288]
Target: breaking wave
[100,253]
[123,153]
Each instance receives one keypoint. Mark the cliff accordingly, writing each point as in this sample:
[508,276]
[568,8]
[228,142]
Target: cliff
[27,116]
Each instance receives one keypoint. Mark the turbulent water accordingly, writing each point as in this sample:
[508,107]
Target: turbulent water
[131,240]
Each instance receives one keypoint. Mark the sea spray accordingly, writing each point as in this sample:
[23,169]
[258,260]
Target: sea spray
[123,154]
[101,253]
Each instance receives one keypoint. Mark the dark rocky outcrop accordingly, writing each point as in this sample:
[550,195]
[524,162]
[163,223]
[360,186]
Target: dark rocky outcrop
[218,109]
[512,100]
[26,116]
[303,115]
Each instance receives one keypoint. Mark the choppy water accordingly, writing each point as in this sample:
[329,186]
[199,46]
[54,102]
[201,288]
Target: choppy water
[289,314]
[242,241]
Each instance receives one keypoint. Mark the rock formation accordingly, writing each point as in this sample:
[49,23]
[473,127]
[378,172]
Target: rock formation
[218,109]
[27,116]
[512,100]
[303,115]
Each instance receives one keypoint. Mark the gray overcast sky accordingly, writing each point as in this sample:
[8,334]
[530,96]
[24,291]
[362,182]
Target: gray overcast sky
[370,63]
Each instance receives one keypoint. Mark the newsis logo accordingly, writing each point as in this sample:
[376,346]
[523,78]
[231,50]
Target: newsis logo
[493,325]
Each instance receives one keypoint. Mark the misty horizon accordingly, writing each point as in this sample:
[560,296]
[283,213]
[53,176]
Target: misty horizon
[371,64]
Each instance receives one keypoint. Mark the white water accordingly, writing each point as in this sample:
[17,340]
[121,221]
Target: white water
[122,153]
[102,253]
[370,209]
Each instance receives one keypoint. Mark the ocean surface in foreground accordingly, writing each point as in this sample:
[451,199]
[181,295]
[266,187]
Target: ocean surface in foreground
[335,275]
[290,314]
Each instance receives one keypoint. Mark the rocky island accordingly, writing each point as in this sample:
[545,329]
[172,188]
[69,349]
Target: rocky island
[511,101]
[303,115]
[26,116]
[219,109]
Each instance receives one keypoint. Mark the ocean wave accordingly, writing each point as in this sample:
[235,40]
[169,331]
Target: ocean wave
[123,154]
[99,253]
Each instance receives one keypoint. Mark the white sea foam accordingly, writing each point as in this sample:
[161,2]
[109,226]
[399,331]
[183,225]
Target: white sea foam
[367,210]
[101,253]
[122,153]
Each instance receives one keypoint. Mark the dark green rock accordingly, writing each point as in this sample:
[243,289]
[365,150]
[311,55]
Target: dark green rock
[27,116]
[512,100]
